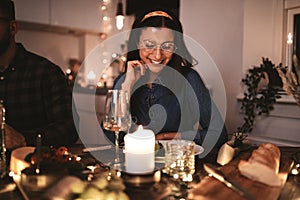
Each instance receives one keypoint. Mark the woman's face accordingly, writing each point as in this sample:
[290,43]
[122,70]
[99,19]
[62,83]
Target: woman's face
[156,47]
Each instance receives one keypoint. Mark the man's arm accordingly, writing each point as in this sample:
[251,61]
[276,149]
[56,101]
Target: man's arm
[57,100]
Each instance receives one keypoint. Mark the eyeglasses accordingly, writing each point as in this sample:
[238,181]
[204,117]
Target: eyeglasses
[166,47]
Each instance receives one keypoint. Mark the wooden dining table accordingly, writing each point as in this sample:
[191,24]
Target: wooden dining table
[202,186]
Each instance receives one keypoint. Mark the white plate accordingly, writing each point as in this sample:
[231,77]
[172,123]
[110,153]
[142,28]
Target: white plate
[198,149]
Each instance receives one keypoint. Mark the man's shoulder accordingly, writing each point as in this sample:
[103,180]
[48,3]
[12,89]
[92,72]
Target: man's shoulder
[32,59]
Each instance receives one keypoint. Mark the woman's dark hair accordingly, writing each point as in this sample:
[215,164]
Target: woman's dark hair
[180,58]
[7,8]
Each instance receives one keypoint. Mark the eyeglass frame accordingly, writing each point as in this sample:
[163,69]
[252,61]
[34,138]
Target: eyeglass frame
[157,46]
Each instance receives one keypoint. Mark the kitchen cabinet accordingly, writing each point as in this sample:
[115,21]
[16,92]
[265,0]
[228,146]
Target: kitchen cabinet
[76,14]
[33,11]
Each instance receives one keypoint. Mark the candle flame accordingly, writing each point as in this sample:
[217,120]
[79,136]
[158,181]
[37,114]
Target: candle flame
[140,127]
[289,41]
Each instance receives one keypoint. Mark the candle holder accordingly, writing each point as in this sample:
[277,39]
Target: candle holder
[141,180]
[180,159]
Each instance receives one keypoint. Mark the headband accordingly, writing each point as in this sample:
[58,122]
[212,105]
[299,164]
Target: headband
[157,13]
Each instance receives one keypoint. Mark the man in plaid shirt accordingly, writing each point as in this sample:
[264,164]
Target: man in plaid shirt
[34,91]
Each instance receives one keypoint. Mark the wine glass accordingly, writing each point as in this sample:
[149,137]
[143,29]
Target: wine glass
[117,115]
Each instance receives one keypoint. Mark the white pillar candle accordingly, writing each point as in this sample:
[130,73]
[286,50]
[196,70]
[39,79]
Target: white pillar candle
[290,52]
[139,151]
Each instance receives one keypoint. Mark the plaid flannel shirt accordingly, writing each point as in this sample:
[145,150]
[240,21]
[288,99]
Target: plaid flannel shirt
[37,99]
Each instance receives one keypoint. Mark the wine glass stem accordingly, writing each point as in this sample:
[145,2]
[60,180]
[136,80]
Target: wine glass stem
[117,158]
[117,139]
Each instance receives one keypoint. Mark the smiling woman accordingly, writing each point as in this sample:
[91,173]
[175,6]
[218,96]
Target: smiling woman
[167,95]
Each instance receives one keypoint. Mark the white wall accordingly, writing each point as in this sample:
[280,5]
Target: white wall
[218,27]
[237,34]
[56,47]
[263,31]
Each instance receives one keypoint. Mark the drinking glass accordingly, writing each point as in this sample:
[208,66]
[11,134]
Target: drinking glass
[117,115]
[180,159]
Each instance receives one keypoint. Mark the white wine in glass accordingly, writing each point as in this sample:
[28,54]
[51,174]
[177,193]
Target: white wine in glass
[117,115]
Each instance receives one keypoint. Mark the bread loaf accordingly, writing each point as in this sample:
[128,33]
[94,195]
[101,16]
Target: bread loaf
[263,165]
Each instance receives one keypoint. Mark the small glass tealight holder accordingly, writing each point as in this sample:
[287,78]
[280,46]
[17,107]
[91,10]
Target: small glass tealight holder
[180,159]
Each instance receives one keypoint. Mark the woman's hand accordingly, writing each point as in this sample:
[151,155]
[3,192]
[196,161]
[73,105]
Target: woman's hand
[13,138]
[135,69]
[168,136]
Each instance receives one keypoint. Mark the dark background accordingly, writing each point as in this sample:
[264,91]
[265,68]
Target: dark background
[134,7]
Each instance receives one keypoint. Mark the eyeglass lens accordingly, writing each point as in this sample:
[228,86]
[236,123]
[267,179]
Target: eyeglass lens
[166,46]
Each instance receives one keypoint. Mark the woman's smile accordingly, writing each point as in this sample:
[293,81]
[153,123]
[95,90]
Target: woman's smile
[151,49]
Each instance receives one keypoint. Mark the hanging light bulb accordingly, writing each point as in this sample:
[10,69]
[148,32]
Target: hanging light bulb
[120,16]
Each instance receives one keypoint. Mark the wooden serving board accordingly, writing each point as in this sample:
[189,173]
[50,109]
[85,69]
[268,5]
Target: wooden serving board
[210,188]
